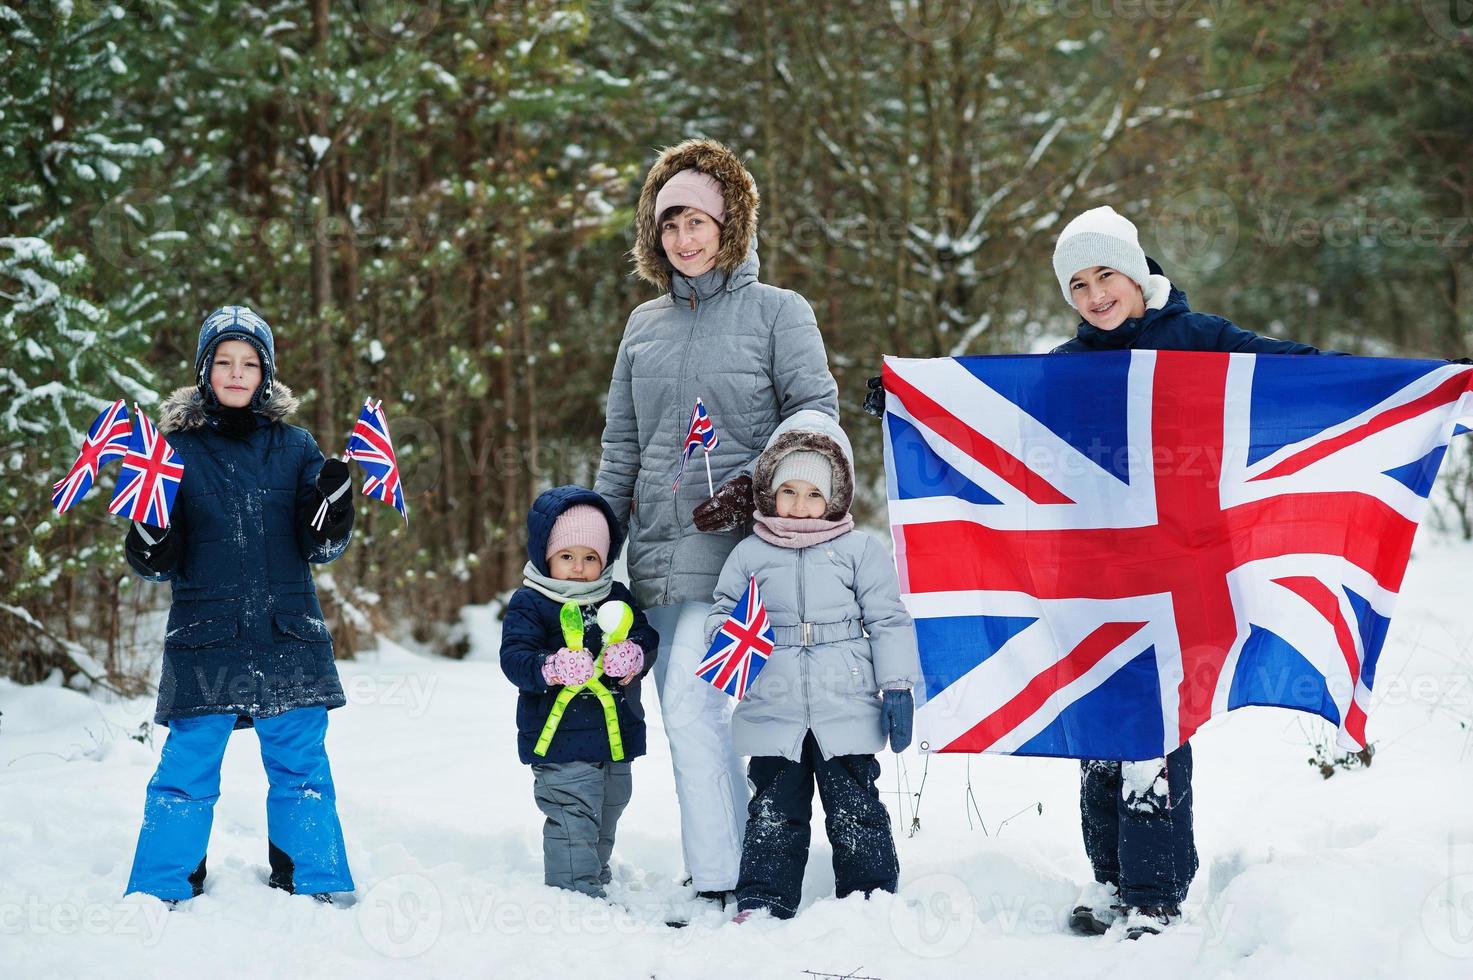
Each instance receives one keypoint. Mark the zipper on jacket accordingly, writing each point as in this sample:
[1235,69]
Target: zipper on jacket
[684,373]
[804,651]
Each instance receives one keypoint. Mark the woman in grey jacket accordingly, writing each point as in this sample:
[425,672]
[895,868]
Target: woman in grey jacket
[753,354]
[838,682]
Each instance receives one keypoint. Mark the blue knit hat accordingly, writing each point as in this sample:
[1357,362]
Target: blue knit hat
[235,323]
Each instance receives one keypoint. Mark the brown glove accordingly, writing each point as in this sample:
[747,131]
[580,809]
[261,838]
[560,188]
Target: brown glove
[731,505]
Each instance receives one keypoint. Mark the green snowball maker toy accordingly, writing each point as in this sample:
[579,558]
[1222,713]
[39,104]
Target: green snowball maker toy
[615,620]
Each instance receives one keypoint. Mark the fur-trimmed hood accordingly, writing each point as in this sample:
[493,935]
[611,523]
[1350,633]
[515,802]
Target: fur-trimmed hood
[185,408]
[818,433]
[738,235]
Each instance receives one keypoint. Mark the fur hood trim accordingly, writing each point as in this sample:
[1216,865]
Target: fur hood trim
[818,433]
[184,410]
[738,188]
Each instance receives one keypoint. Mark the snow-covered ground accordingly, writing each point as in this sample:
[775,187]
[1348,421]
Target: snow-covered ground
[1367,874]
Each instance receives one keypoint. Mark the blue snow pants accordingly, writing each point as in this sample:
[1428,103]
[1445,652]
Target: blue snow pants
[305,843]
[1141,842]
[775,848]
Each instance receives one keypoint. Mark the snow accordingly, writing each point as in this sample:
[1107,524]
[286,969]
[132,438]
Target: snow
[1368,873]
[319,146]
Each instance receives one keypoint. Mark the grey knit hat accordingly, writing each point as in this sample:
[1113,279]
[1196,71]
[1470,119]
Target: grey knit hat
[807,465]
[1099,236]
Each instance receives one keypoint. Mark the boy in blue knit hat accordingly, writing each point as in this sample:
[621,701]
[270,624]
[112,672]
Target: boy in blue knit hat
[246,644]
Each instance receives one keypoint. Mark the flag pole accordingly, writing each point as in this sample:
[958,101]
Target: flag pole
[709,485]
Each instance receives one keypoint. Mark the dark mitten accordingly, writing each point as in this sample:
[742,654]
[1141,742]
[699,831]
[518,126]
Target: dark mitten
[874,402]
[336,487]
[157,549]
[897,712]
[728,508]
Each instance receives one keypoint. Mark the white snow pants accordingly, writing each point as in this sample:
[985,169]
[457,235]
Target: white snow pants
[710,782]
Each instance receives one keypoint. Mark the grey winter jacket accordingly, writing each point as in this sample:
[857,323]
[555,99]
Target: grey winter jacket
[751,352]
[860,638]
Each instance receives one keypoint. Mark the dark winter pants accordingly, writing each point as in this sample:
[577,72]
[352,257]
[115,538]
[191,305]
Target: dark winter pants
[583,802]
[1138,827]
[779,817]
[305,839]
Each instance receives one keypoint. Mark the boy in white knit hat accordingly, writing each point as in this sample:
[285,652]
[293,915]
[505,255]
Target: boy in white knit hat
[1137,816]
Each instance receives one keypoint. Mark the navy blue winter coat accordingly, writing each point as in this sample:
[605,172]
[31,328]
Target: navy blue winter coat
[245,633]
[1176,327]
[531,632]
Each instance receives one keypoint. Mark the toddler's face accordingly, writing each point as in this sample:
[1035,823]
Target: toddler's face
[799,498]
[576,564]
[235,374]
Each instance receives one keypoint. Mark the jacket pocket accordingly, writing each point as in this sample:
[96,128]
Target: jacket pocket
[307,628]
[204,633]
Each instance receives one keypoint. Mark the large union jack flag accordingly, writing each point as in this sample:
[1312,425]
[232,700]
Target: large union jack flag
[1103,551]
[149,478]
[372,446]
[106,440]
[741,647]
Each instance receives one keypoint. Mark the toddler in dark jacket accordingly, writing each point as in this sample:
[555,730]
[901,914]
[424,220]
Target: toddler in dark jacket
[579,721]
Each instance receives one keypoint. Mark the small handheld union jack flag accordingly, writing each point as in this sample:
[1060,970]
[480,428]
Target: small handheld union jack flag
[107,440]
[701,433]
[741,647]
[373,448]
[149,479]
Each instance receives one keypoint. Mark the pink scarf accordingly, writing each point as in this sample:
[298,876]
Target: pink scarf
[800,532]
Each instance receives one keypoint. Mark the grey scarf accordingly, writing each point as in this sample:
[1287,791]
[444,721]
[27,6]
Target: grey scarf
[562,590]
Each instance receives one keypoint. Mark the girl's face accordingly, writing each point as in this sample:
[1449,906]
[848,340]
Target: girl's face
[576,564]
[691,240]
[799,498]
[1105,297]
[235,373]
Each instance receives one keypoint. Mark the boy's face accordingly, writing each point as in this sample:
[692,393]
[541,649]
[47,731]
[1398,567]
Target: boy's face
[235,373]
[799,498]
[1105,297]
[576,564]
[691,240]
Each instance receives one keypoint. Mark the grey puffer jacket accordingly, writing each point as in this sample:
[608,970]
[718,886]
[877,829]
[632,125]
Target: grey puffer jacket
[859,637]
[751,352]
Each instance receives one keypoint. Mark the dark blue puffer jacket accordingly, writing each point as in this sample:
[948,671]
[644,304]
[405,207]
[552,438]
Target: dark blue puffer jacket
[1176,327]
[245,634]
[532,631]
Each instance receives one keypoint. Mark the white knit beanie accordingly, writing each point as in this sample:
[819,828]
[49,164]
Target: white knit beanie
[1099,236]
[805,464]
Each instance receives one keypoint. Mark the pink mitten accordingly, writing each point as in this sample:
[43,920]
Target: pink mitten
[623,659]
[570,667]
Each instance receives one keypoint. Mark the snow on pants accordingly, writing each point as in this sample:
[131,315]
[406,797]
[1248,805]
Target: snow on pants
[305,839]
[781,816]
[583,802]
[709,782]
[1137,820]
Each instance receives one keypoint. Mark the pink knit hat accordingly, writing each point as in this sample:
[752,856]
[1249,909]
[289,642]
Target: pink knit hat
[580,524]
[692,189]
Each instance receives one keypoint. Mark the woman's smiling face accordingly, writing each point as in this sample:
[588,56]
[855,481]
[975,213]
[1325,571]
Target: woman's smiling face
[691,239]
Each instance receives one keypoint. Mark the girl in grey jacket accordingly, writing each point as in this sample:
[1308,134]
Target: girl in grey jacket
[839,679]
[753,354]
